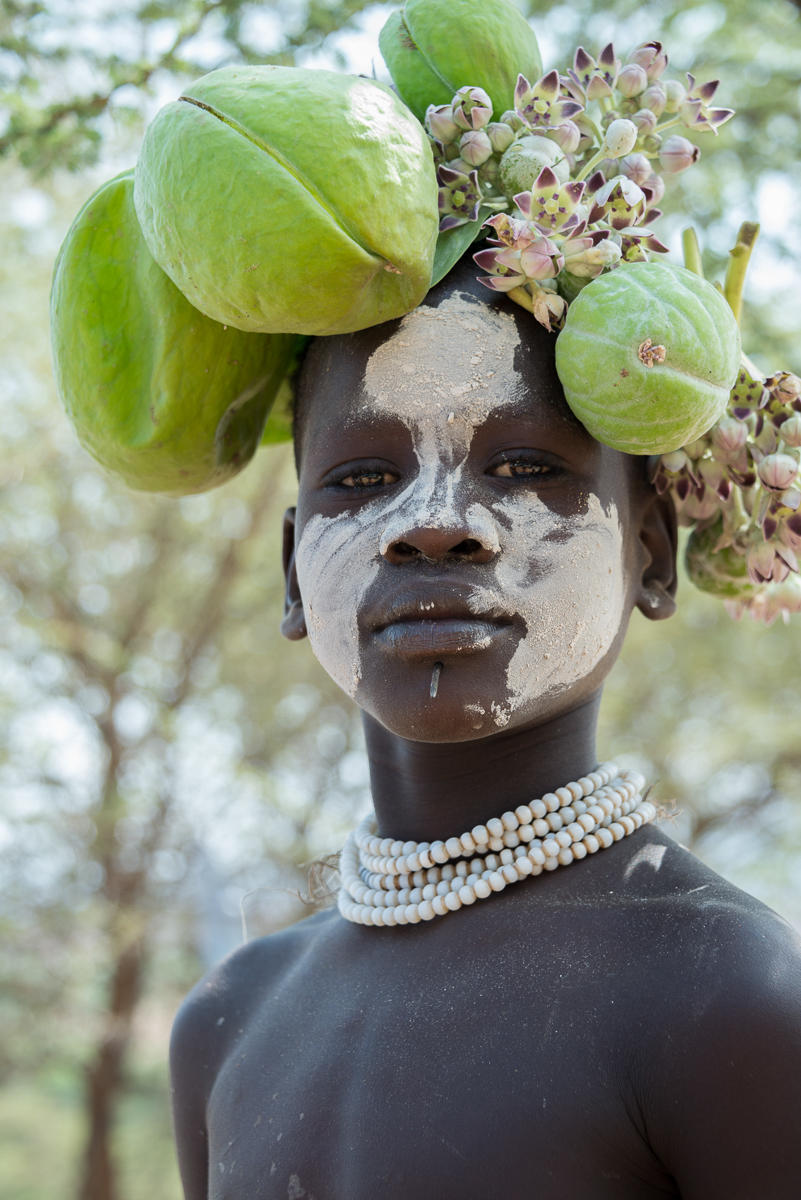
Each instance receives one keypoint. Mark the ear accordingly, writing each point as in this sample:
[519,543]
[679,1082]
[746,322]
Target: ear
[293,625]
[659,538]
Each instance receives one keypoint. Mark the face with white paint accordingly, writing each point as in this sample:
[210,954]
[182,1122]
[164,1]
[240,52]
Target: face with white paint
[452,511]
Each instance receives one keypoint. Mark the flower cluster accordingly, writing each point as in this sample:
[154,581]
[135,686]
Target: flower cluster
[569,179]
[739,489]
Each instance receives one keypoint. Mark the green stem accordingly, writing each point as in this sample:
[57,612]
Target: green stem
[523,297]
[739,257]
[587,120]
[667,125]
[587,170]
[692,251]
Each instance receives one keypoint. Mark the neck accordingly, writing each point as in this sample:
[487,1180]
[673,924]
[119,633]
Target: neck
[429,790]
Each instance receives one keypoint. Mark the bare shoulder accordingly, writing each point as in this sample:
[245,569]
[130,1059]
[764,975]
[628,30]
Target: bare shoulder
[219,1007]
[721,1083]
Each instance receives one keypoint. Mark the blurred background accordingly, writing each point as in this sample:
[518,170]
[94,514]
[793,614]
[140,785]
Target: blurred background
[167,762]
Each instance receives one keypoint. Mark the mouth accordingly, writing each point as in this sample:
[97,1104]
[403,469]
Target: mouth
[437,623]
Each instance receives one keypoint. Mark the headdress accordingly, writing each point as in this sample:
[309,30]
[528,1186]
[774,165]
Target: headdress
[270,204]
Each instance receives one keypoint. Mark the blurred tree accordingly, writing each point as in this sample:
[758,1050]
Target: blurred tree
[163,750]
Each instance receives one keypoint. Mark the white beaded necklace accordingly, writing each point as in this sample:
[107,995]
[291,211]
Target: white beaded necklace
[387,882]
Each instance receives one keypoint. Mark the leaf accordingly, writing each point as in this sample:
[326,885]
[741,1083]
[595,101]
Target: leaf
[451,245]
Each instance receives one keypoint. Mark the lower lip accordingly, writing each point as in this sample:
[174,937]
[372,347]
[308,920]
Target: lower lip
[422,639]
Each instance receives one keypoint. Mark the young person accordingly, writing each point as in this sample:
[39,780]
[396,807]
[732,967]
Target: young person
[464,559]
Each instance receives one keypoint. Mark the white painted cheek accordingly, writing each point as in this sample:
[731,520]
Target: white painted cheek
[336,563]
[569,593]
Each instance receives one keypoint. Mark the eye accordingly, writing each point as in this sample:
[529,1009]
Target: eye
[519,466]
[363,478]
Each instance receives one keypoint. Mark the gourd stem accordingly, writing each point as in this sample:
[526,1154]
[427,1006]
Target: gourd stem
[692,251]
[739,257]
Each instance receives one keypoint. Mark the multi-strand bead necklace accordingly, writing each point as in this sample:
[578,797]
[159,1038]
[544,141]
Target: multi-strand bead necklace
[388,882]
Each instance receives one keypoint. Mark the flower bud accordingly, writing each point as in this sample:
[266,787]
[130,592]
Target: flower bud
[785,387]
[632,80]
[440,123]
[777,471]
[656,188]
[500,135]
[636,167]
[790,430]
[654,98]
[677,154]
[621,137]
[567,136]
[729,436]
[513,119]
[590,261]
[475,147]
[645,120]
[651,57]
[675,95]
[764,564]
[652,144]
[472,108]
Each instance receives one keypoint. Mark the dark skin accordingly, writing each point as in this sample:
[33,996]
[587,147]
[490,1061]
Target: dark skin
[629,1027]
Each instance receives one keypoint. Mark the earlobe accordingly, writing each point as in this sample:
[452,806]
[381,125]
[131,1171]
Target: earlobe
[659,538]
[293,625]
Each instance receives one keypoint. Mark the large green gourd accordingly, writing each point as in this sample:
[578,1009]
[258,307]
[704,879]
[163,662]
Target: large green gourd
[647,357]
[287,200]
[159,394]
[434,47]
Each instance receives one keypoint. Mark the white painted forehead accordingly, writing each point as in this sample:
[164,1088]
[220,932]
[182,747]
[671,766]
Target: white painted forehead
[459,357]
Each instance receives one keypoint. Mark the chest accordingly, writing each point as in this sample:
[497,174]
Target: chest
[469,1082]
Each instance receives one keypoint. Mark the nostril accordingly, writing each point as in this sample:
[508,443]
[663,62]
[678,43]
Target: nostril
[466,549]
[405,550]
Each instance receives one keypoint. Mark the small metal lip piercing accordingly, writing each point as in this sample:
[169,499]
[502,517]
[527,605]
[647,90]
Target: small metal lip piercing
[432,691]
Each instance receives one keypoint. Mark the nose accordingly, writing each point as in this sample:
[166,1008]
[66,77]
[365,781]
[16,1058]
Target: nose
[472,538]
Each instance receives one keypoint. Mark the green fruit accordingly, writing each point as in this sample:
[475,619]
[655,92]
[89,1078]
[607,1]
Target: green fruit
[721,572]
[647,357]
[159,394]
[284,200]
[525,158]
[435,47]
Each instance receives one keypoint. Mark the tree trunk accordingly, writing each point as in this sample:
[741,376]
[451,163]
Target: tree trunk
[103,1079]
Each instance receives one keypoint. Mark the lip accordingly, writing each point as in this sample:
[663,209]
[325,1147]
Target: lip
[438,621]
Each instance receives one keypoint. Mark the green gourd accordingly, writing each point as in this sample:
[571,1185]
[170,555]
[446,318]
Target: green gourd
[435,47]
[162,396]
[647,357]
[284,200]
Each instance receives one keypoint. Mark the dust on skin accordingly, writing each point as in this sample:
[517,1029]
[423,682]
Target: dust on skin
[442,373]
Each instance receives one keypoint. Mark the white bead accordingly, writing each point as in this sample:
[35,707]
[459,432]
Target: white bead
[563,838]
[628,825]
[482,889]
[617,831]
[525,833]
[429,891]
[492,862]
[400,914]
[537,856]
[426,910]
[563,795]
[575,830]
[586,822]
[550,848]
[538,809]
[438,852]
[419,879]
[495,827]
[389,916]
[565,857]
[443,887]
[551,801]
[554,821]
[448,871]
[495,843]
[426,860]
[452,901]
[509,820]
[412,914]
[480,835]
[523,814]
[604,837]
[509,873]
[586,784]
[551,864]
[413,862]
[454,847]
[496,881]
[467,843]
[462,869]
[439,906]
[510,838]
[579,850]
[541,828]
[467,895]
[568,814]
[524,866]
[506,856]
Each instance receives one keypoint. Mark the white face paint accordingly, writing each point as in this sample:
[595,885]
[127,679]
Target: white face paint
[443,373]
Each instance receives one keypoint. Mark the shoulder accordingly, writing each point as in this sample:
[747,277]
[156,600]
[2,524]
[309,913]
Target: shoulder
[212,1018]
[217,1010]
[721,1082]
